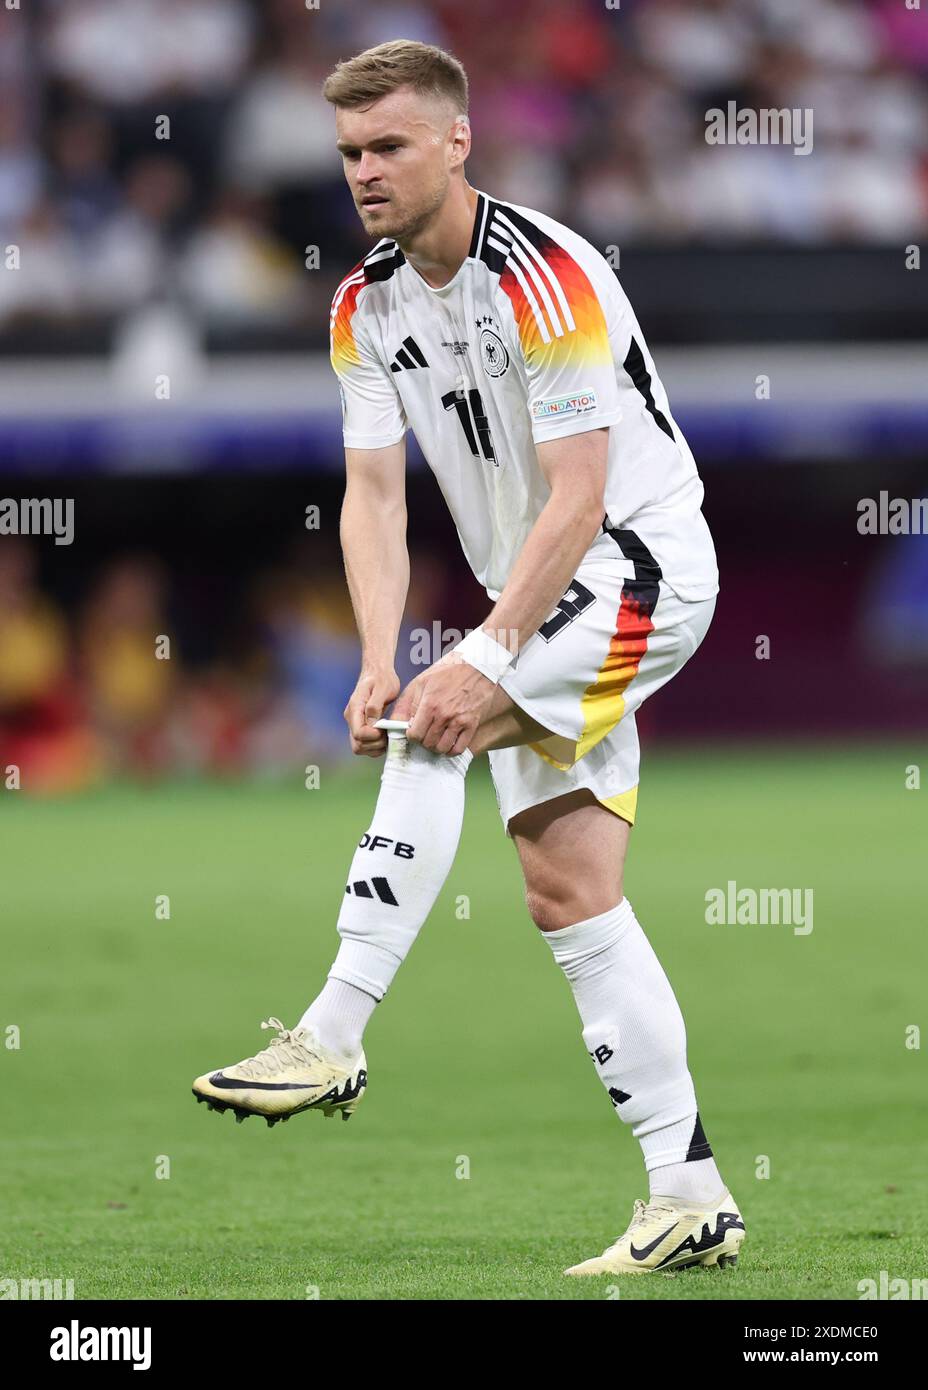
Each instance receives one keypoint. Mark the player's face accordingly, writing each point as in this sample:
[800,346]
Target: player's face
[398,155]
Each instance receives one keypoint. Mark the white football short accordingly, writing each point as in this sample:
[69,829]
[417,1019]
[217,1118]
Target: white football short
[612,641]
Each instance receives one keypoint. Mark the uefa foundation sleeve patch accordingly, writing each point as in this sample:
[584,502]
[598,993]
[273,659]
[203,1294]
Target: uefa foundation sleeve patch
[561,407]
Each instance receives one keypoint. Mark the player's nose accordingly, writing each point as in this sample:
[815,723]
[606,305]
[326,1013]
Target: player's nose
[368,169]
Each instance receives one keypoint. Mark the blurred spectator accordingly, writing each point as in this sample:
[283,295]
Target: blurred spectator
[128,685]
[235,270]
[21,167]
[46,284]
[895,605]
[596,116]
[311,653]
[82,180]
[33,643]
[44,737]
[131,258]
[127,51]
[701,44]
[207,729]
[280,130]
[904,33]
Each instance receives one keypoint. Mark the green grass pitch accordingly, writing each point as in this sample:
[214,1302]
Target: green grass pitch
[797,1044]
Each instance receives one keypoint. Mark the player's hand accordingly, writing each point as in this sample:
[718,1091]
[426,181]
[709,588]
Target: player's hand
[372,694]
[445,705]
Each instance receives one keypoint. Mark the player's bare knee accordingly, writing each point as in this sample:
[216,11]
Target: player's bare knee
[548,909]
[555,904]
[540,909]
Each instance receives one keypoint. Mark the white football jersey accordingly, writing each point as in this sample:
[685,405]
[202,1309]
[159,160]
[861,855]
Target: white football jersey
[533,339]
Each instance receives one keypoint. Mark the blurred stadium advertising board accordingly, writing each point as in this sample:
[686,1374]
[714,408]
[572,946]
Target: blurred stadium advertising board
[241,413]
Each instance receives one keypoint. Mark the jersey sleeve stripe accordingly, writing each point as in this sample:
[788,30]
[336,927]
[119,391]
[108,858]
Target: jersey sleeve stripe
[344,349]
[516,254]
[587,312]
[379,264]
[540,261]
[532,254]
[526,307]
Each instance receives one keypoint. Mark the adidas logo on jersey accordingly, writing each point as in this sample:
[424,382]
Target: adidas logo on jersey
[409,356]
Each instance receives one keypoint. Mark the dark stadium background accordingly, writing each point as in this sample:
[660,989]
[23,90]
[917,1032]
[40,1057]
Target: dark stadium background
[187,255]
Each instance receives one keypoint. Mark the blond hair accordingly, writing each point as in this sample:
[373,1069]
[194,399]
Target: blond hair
[401,63]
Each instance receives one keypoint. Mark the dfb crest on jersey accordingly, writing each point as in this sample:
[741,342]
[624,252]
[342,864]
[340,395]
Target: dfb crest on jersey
[493,353]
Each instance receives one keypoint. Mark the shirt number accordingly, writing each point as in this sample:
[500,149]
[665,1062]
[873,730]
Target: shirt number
[473,420]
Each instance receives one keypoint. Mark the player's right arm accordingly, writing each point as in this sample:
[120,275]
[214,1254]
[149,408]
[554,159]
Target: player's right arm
[373,518]
[373,538]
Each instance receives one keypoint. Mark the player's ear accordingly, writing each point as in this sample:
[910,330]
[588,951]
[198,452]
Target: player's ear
[460,140]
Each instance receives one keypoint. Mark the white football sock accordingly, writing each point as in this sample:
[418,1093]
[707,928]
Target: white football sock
[397,872]
[697,1179]
[634,1031]
[339,1016]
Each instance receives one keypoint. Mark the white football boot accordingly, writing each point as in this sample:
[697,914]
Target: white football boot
[293,1073]
[667,1233]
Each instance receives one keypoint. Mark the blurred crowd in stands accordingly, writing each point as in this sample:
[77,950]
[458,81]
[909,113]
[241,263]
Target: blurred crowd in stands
[596,115]
[90,690]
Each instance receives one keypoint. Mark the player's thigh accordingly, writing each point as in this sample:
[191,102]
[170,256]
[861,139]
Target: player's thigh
[572,851]
[505,725]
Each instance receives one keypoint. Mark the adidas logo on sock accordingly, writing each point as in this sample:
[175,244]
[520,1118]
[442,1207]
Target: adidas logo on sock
[381,888]
[410,355]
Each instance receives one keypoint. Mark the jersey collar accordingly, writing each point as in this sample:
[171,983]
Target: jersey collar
[480,221]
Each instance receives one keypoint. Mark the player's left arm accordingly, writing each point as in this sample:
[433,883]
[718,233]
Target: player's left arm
[447,717]
[575,470]
[562,304]
[560,307]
